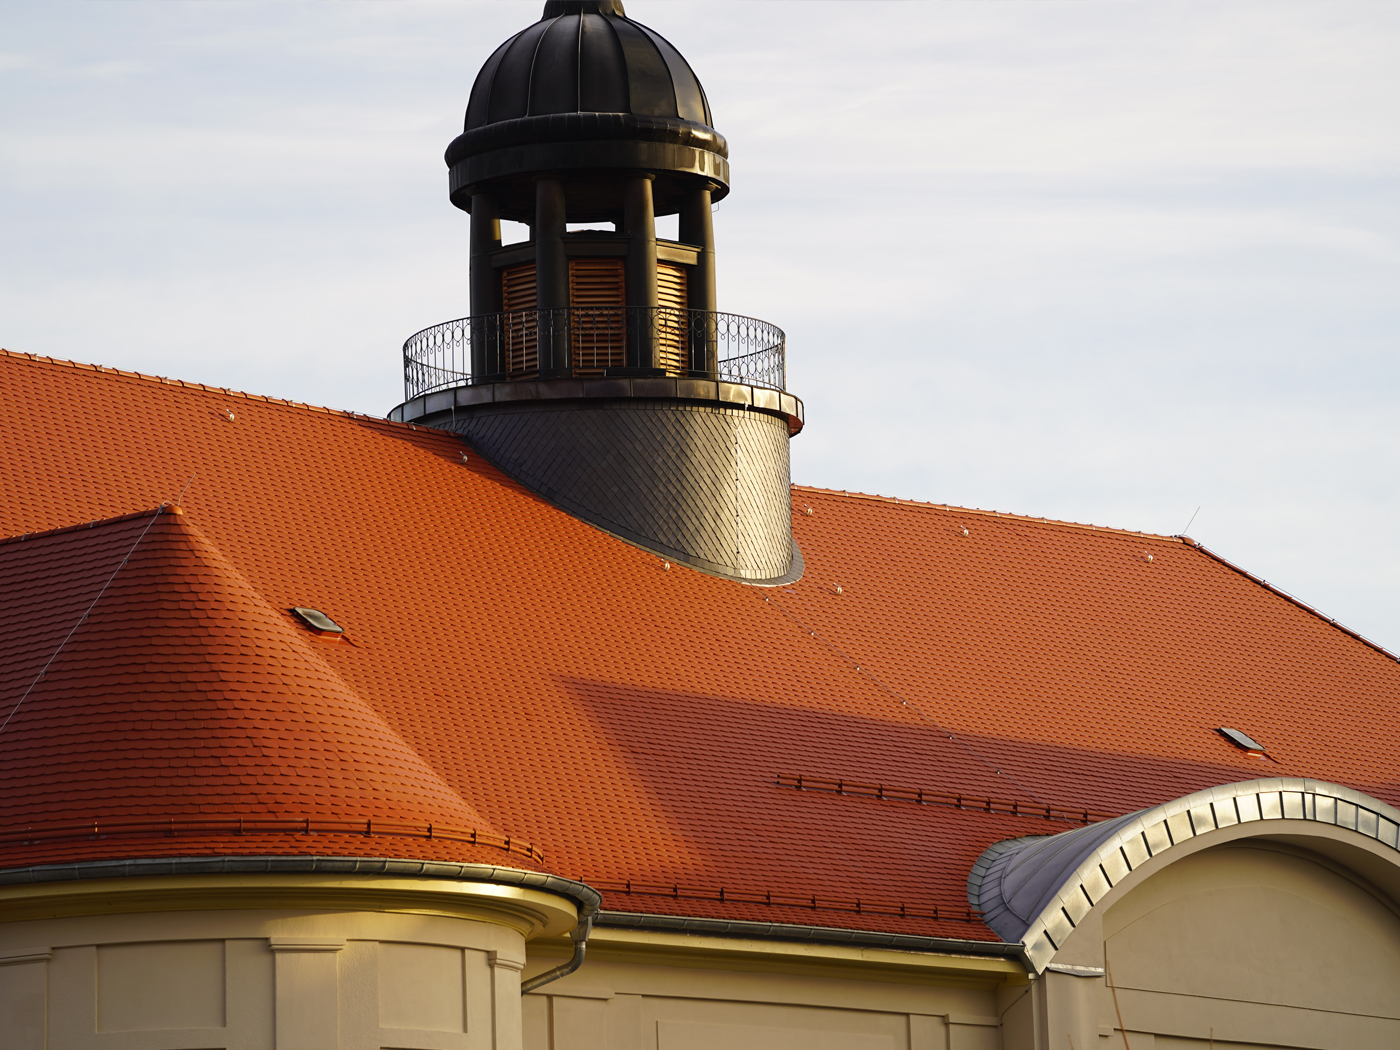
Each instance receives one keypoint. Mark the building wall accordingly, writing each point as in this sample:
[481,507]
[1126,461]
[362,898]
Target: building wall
[258,980]
[670,992]
[1260,942]
[1256,942]
[1245,938]
[420,965]
[1247,942]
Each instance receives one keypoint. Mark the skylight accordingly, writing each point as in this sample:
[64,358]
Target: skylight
[319,621]
[1243,741]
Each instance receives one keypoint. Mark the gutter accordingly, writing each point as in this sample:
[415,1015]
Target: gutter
[586,917]
[778,931]
[586,898]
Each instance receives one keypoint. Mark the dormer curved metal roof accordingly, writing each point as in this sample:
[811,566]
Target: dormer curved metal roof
[1036,889]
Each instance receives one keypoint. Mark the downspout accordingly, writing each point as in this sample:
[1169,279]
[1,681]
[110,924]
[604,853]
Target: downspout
[580,937]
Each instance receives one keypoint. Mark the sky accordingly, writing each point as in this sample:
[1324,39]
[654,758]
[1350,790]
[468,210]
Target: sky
[1104,261]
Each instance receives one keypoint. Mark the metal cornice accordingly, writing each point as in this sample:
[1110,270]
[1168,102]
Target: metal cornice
[1024,898]
[586,897]
[779,931]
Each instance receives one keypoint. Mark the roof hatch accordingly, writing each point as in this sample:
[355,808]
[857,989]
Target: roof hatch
[319,621]
[1241,740]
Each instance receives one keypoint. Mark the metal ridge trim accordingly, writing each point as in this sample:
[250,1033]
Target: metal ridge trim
[1296,601]
[780,931]
[136,515]
[586,897]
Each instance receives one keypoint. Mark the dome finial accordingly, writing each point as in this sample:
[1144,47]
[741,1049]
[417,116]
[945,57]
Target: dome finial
[555,8]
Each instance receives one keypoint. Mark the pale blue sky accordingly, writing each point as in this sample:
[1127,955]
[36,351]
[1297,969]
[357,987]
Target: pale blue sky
[1100,261]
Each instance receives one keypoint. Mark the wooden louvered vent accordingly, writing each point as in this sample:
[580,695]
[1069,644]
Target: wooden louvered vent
[672,337]
[597,293]
[521,335]
[598,325]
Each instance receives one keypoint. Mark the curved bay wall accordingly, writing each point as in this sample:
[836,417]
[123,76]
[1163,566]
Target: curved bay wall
[701,484]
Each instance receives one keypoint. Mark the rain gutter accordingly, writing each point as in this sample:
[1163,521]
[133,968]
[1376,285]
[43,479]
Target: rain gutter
[587,915]
[778,931]
[584,897]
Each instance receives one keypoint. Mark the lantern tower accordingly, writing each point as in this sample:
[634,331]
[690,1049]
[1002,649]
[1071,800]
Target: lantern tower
[595,367]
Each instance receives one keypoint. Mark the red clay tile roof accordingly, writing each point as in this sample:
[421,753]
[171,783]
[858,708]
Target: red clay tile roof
[160,694]
[643,727]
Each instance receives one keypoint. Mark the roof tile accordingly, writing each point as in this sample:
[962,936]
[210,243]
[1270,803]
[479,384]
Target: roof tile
[513,669]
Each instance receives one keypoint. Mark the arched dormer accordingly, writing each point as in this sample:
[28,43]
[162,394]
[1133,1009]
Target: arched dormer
[1267,906]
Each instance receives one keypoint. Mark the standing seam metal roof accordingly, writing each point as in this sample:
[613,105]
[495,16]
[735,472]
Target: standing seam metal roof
[586,62]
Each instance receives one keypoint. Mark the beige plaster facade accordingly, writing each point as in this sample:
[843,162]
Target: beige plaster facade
[1251,943]
[1247,939]
[663,991]
[1267,933]
[342,963]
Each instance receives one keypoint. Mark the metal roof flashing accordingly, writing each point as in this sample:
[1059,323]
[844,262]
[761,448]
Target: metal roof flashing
[1036,891]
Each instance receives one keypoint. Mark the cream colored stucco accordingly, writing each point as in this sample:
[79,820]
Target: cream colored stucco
[645,990]
[1279,934]
[413,964]
[1265,934]
[1262,942]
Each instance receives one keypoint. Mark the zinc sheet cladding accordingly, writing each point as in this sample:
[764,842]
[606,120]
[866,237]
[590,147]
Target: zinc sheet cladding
[632,721]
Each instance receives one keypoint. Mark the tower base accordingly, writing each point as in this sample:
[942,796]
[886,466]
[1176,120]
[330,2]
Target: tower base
[703,483]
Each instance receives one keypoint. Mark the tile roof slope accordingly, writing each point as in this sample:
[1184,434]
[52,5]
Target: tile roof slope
[162,696]
[1085,670]
[634,722]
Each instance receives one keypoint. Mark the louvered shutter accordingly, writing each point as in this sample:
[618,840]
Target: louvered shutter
[520,327]
[672,350]
[597,294]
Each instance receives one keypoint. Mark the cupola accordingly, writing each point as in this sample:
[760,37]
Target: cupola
[595,366]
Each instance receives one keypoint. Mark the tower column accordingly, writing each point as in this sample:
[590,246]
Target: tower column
[697,228]
[639,223]
[484,284]
[551,275]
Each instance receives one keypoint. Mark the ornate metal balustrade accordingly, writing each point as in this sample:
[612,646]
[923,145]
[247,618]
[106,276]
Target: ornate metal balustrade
[594,341]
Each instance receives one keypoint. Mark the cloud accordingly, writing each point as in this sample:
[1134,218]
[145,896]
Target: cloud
[1098,260]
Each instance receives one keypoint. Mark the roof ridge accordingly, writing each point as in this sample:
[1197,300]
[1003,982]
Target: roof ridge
[22,537]
[1182,539]
[1296,601]
[1003,515]
[206,388]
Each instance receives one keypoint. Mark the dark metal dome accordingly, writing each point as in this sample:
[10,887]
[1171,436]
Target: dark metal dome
[602,90]
[586,58]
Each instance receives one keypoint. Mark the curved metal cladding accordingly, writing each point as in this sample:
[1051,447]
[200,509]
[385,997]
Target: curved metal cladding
[704,486]
[577,59]
[585,88]
[1037,890]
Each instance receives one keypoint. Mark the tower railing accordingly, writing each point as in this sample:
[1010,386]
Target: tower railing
[584,342]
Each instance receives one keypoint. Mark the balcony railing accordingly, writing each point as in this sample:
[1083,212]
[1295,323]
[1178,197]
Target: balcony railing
[594,342]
